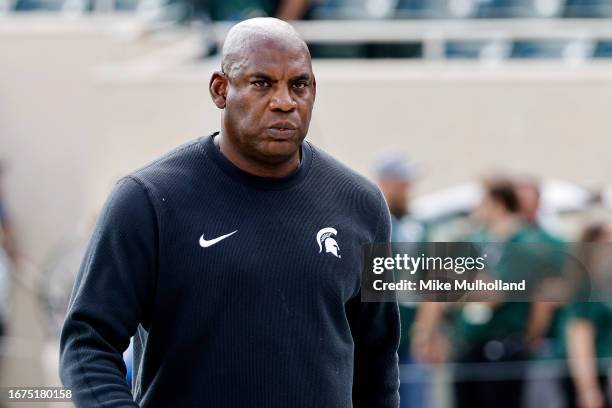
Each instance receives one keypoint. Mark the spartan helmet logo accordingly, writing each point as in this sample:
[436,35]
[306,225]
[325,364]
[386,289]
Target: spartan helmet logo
[325,238]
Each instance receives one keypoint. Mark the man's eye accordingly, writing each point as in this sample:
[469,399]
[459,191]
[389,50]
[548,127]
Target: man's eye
[261,84]
[300,85]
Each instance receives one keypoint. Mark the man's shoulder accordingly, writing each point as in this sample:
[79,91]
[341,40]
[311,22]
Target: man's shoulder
[342,177]
[174,165]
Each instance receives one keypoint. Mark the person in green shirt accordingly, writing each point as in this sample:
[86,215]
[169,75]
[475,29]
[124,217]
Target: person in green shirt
[545,316]
[588,329]
[542,388]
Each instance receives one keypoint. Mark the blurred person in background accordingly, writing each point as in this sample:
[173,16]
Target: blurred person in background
[8,254]
[235,260]
[588,330]
[6,226]
[543,328]
[8,262]
[395,176]
[494,331]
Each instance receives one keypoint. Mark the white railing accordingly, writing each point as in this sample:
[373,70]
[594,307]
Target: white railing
[434,34]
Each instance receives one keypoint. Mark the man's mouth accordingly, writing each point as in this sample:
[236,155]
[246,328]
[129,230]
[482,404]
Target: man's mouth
[282,130]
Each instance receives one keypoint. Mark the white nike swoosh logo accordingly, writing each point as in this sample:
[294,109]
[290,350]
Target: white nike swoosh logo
[205,244]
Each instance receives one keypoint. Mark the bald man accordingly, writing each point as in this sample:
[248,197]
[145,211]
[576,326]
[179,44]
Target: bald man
[235,260]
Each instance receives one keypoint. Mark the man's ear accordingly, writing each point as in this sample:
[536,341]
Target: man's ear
[314,88]
[218,88]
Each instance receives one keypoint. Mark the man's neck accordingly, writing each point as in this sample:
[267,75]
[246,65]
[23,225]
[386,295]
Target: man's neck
[247,165]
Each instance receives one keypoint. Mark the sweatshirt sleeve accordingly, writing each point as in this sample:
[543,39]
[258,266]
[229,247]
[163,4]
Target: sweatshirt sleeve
[111,297]
[375,329]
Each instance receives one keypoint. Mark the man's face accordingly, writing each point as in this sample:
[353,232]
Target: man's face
[396,192]
[529,201]
[270,95]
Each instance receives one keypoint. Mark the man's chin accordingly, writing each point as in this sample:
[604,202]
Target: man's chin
[279,151]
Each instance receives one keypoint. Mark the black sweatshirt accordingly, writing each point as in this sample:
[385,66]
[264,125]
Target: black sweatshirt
[240,291]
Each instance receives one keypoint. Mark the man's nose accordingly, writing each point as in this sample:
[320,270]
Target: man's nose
[282,100]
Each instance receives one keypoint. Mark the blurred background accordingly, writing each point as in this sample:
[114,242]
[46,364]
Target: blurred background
[474,116]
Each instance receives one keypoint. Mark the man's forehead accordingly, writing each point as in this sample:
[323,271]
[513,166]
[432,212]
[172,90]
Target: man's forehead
[274,59]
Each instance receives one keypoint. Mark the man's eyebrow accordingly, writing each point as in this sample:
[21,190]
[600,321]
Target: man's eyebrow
[302,77]
[260,75]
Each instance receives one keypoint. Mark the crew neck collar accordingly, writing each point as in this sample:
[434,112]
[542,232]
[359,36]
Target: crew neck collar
[251,180]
